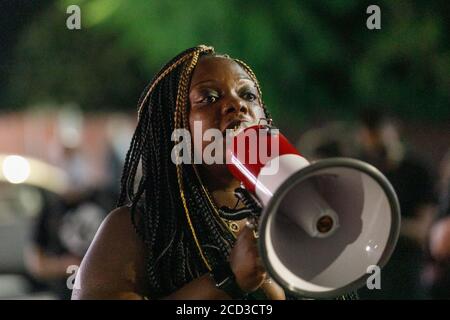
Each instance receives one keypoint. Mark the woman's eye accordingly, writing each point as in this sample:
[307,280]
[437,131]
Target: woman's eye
[210,99]
[249,96]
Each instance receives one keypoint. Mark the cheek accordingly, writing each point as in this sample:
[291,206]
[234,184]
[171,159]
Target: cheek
[199,122]
[258,112]
[208,118]
[193,118]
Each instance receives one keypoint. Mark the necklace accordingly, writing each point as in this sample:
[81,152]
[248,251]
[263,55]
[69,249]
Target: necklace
[231,225]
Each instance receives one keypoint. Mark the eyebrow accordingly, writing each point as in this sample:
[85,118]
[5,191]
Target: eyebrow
[213,80]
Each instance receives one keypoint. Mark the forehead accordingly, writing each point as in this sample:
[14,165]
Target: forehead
[217,69]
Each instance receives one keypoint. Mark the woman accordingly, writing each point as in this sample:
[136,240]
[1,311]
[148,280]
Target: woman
[166,240]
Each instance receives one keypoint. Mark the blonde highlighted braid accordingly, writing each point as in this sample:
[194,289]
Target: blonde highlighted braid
[181,122]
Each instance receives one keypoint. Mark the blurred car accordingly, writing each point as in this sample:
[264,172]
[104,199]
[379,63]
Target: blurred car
[23,181]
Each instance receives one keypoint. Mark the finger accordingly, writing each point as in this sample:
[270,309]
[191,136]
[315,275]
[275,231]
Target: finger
[262,277]
[248,232]
[267,279]
[259,262]
[251,242]
[251,224]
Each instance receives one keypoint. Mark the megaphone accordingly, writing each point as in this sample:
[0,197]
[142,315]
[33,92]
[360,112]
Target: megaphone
[324,225]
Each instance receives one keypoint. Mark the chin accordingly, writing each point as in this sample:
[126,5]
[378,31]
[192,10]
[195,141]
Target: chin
[219,170]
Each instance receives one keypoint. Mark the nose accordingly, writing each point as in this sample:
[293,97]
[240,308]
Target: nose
[234,106]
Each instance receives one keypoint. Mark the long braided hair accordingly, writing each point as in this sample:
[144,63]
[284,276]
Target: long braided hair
[170,207]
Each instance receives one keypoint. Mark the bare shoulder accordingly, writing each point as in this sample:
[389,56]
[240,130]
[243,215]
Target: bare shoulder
[114,264]
[118,224]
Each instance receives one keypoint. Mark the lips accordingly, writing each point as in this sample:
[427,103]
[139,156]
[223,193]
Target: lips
[235,125]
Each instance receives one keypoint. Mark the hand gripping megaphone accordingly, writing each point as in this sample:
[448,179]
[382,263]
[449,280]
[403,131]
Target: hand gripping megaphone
[323,225]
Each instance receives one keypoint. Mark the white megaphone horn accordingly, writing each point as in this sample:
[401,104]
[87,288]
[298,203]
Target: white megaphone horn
[323,225]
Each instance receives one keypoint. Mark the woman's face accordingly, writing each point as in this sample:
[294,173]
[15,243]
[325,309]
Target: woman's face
[222,95]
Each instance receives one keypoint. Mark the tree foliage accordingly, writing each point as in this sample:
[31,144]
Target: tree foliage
[313,58]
